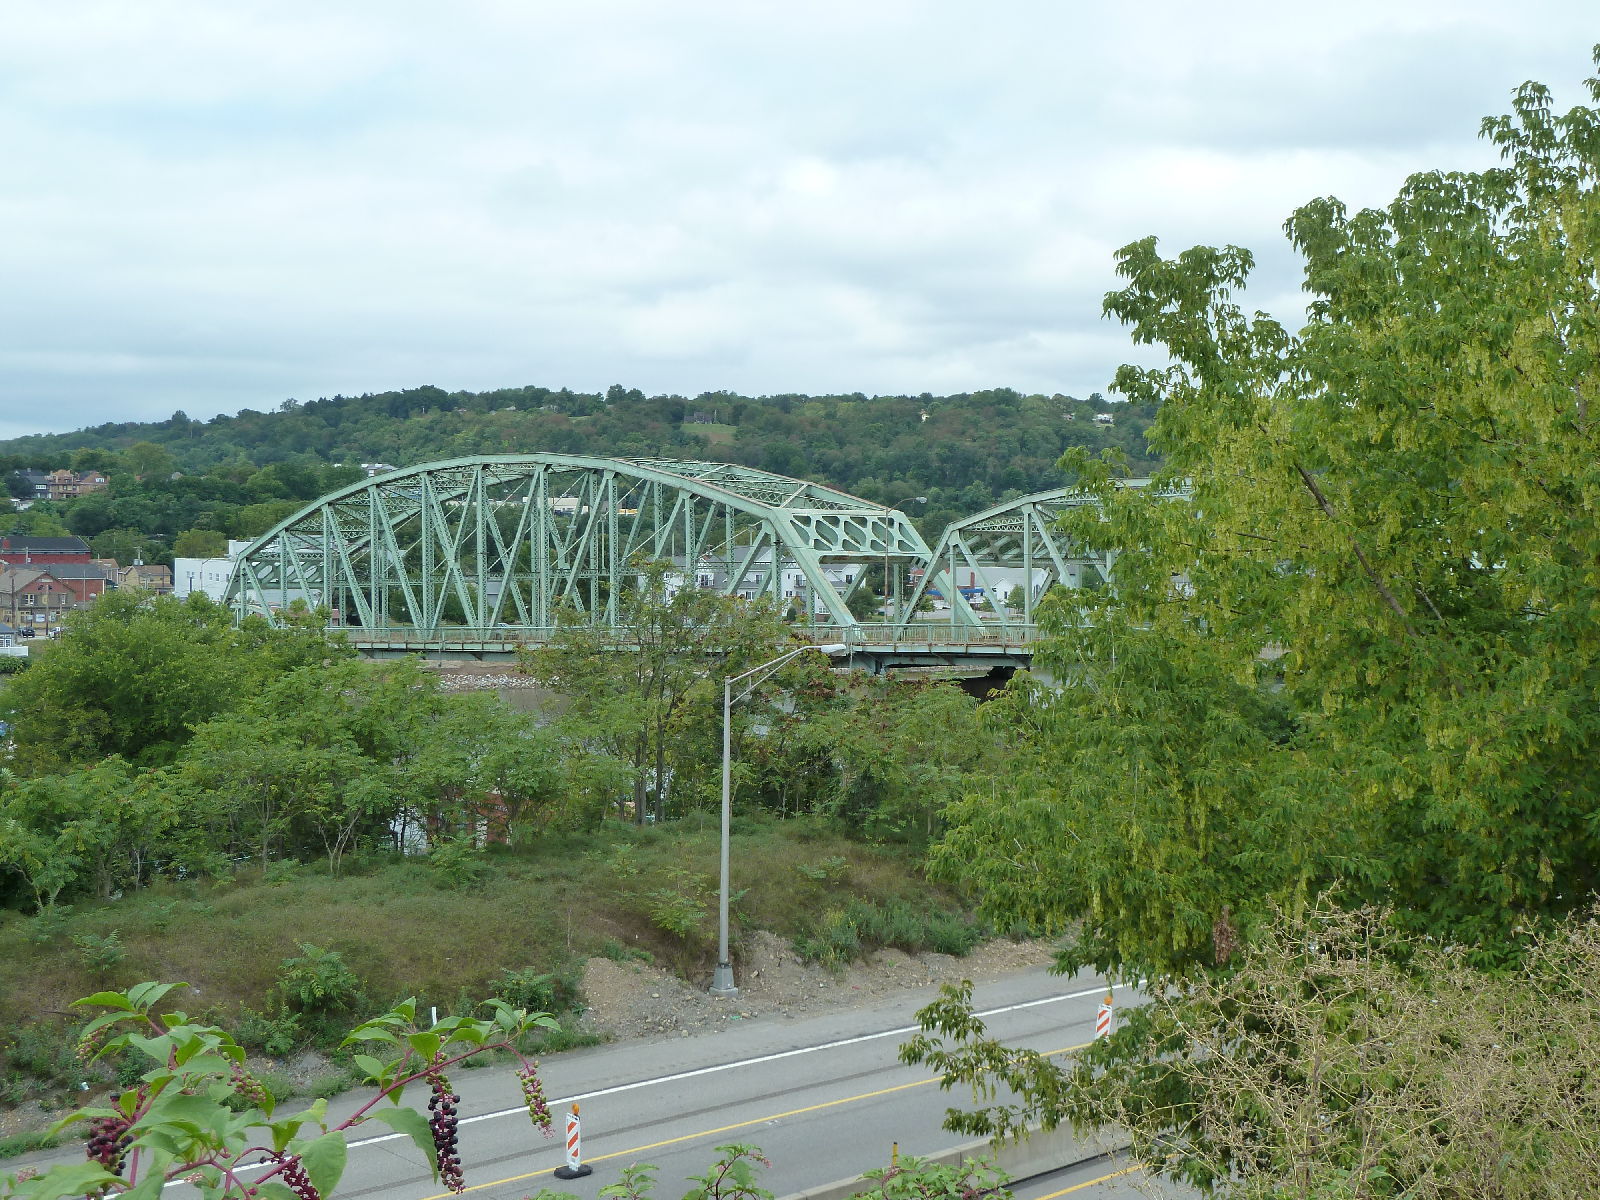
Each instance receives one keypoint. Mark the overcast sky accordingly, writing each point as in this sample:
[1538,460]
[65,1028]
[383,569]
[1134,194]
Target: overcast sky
[214,205]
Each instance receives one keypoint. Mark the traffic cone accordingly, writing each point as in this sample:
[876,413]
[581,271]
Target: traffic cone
[573,1168]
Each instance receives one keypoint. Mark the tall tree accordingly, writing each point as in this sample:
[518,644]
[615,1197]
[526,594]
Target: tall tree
[1384,561]
[1353,648]
[630,702]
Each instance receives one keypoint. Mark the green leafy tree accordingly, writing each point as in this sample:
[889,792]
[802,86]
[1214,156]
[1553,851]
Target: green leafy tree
[1353,640]
[148,460]
[1386,608]
[632,704]
[137,673]
[99,829]
[200,543]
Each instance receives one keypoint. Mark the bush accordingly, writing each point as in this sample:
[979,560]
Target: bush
[100,955]
[276,1033]
[458,865]
[318,982]
[536,991]
[861,926]
[49,924]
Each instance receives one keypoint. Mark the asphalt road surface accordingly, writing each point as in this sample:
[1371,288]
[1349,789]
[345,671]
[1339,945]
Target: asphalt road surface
[824,1098]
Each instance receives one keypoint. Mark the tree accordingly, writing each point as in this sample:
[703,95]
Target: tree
[125,545]
[630,702]
[200,543]
[97,830]
[1341,1060]
[137,673]
[1377,663]
[1352,643]
[149,461]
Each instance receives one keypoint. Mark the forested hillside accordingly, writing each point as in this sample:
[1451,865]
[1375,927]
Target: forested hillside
[239,474]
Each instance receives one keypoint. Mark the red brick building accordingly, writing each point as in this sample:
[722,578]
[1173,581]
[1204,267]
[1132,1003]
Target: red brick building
[42,551]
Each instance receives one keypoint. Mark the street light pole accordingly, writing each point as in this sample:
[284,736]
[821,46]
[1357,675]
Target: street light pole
[722,980]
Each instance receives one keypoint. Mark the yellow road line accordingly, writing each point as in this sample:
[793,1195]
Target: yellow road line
[706,1133]
[1078,1187]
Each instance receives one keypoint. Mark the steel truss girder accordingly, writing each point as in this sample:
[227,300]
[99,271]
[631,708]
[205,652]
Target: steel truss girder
[509,540]
[1020,535]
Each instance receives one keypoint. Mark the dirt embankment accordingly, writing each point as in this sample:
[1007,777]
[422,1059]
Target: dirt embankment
[631,999]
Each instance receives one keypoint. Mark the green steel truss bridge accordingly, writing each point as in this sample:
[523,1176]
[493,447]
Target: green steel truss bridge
[474,556]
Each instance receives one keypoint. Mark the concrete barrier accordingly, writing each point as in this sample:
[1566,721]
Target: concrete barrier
[1038,1153]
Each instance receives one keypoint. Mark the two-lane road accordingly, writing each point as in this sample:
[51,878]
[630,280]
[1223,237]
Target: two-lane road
[824,1098]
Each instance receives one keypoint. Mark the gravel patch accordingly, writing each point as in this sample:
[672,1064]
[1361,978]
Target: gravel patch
[636,1000]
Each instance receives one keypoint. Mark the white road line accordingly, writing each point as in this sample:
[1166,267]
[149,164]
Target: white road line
[743,1062]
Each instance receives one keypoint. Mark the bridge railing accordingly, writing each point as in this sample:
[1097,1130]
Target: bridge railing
[864,638]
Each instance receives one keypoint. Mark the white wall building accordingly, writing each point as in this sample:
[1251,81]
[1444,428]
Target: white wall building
[208,575]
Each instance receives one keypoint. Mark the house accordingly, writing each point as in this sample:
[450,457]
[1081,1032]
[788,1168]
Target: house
[32,599]
[1104,419]
[86,582]
[8,636]
[149,577]
[69,485]
[208,575]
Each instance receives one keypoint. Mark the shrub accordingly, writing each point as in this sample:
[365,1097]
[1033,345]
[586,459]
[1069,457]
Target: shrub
[829,870]
[458,865]
[276,1033]
[100,954]
[536,991]
[318,981]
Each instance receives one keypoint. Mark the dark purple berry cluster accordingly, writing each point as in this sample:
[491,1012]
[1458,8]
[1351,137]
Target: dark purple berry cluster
[533,1097]
[246,1086]
[294,1177]
[442,1122]
[109,1139]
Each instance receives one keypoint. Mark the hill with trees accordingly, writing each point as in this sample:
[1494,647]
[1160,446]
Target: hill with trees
[236,475]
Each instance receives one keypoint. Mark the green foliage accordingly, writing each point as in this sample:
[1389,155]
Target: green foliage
[845,934]
[184,1118]
[1338,1049]
[920,1179]
[656,708]
[680,908]
[317,981]
[878,754]
[137,674]
[1377,665]
[1351,650]
[100,953]
[458,864]
[542,991]
[14,664]
[200,543]
[829,870]
[26,1143]
[276,1033]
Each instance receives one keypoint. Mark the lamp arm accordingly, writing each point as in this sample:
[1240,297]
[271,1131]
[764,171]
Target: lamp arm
[767,667]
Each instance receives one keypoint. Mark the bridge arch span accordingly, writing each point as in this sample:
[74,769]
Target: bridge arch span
[991,568]
[498,545]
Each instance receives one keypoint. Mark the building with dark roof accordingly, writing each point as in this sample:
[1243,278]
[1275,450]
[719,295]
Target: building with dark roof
[20,550]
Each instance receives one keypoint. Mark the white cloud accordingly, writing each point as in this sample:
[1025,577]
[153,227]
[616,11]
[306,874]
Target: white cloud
[211,206]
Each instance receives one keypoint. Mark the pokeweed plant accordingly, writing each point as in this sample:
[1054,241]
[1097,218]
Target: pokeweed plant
[197,1115]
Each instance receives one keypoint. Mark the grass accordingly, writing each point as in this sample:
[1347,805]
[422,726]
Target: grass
[714,432]
[625,892]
